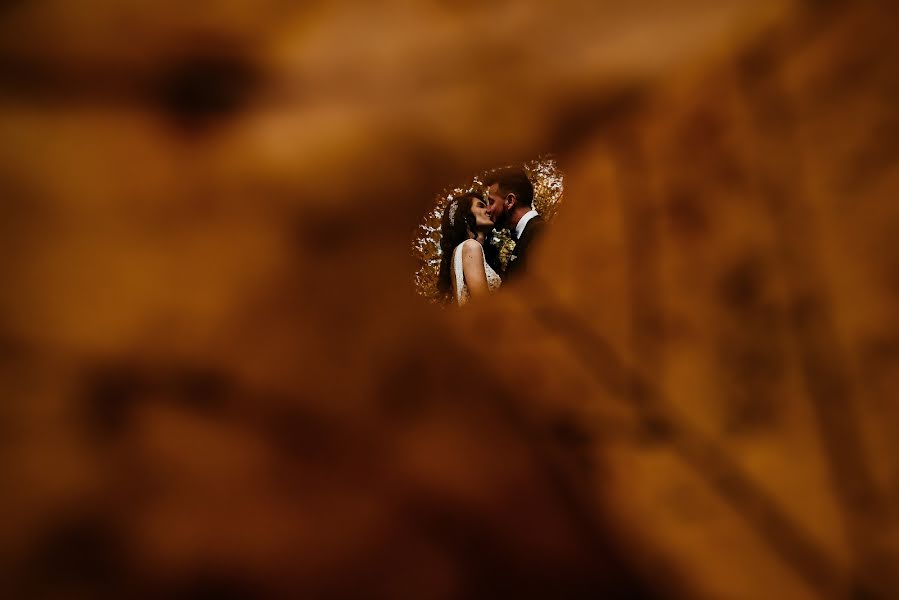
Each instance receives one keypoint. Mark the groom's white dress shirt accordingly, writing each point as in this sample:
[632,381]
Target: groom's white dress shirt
[523,222]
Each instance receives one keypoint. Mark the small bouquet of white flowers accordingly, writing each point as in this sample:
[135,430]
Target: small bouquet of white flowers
[505,245]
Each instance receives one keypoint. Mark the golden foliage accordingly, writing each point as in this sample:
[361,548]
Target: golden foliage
[217,377]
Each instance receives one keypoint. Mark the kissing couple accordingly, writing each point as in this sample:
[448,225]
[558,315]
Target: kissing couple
[469,268]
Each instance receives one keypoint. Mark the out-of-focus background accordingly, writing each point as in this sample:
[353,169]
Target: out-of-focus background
[217,379]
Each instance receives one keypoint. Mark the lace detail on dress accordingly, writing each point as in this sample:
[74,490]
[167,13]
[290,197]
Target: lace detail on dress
[462,293]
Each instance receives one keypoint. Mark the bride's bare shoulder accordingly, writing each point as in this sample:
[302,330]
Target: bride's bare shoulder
[472,247]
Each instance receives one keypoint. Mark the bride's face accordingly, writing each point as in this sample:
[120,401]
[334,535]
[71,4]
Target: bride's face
[481,216]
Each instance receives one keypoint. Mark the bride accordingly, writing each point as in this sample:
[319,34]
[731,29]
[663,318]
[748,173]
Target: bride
[464,272]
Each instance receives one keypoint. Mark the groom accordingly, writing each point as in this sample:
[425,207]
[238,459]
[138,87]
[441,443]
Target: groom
[510,195]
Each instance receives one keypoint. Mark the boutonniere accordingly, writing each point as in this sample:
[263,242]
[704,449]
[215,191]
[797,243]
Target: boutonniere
[504,243]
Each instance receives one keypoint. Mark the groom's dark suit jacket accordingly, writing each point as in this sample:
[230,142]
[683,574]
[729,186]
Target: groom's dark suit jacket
[518,267]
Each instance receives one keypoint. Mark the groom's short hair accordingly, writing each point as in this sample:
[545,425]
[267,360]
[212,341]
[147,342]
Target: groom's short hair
[513,180]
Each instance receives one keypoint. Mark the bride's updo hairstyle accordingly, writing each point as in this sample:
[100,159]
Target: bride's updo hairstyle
[456,226]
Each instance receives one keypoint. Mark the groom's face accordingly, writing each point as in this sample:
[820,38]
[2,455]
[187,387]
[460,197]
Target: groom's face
[497,207]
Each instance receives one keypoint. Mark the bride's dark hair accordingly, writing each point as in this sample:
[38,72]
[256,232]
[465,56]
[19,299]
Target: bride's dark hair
[456,226]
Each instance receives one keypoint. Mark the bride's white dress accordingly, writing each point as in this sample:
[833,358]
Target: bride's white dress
[462,293]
